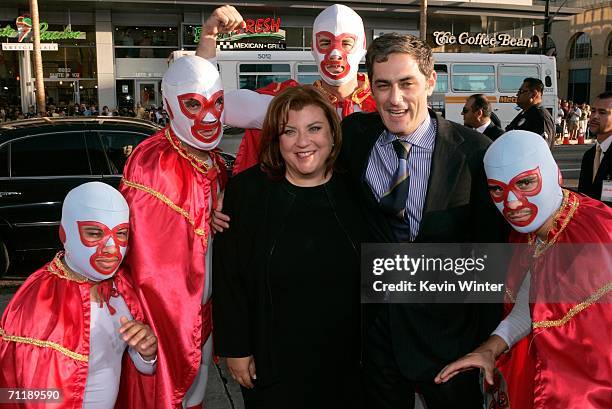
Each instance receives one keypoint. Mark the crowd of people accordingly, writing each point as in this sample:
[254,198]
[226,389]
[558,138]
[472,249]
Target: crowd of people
[572,119]
[151,113]
[272,255]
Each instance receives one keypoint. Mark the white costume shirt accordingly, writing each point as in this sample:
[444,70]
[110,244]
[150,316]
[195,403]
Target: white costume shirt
[106,348]
[518,323]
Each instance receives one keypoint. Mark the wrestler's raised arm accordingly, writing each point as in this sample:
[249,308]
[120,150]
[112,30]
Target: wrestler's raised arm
[243,108]
[224,19]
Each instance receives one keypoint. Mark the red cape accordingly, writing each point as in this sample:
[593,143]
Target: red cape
[44,334]
[567,361]
[248,152]
[168,191]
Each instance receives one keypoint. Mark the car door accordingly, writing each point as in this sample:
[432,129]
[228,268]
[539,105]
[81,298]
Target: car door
[43,169]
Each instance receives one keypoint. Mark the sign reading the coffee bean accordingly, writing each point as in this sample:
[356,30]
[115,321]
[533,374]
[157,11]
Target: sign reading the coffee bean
[480,39]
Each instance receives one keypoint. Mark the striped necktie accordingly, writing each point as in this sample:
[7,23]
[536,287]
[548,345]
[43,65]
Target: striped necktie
[393,202]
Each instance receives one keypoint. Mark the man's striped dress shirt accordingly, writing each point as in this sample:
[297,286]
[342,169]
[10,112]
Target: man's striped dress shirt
[383,163]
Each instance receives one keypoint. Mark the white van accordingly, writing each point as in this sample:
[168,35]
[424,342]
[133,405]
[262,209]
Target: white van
[498,76]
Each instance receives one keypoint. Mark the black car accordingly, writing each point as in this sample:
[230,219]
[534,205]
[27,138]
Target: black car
[41,160]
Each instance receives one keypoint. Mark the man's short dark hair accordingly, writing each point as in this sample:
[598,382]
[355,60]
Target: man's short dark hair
[605,95]
[534,84]
[479,101]
[390,43]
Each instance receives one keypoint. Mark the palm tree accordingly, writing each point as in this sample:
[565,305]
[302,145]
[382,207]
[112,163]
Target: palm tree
[40,85]
[423,27]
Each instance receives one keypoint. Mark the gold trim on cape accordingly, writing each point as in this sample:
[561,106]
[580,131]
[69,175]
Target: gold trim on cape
[43,344]
[575,309]
[56,267]
[541,248]
[362,87]
[198,164]
[166,200]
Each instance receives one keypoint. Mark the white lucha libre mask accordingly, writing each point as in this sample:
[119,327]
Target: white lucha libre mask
[524,179]
[193,97]
[338,44]
[94,230]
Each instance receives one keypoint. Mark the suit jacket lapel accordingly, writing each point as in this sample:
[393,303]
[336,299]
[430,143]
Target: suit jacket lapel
[445,165]
[370,134]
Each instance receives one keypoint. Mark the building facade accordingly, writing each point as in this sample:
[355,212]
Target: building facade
[584,53]
[115,53]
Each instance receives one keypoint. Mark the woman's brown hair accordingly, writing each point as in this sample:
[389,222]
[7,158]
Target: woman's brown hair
[294,98]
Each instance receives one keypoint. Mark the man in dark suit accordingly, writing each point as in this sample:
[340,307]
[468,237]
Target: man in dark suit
[477,115]
[596,167]
[534,117]
[447,201]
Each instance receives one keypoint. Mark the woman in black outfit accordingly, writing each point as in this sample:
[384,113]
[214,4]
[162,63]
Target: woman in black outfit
[286,284]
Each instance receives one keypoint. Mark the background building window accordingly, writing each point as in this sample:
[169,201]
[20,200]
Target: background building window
[609,79]
[580,47]
[579,86]
[298,38]
[145,42]
[610,46]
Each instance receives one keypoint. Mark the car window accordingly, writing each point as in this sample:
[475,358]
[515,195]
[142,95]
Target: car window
[119,146]
[97,158]
[54,154]
[4,163]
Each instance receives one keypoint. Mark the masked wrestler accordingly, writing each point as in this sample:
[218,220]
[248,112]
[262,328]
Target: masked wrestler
[68,325]
[338,46]
[171,182]
[561,293]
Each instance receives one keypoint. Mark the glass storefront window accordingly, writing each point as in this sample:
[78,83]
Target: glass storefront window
[579,85]
[145,42]
[70,63]
[9,79]
[191,36]
[298,38]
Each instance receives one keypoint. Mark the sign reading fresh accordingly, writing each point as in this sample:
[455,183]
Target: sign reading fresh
[23,32]
[258,34]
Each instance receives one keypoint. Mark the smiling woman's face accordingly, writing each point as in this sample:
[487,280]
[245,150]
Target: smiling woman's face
[305,145]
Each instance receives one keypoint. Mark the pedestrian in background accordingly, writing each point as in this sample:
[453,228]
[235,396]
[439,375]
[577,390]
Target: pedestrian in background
[573,118]
[596,166]
[477,115]
[534,117]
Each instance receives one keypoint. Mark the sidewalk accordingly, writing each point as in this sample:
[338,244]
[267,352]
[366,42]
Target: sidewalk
[222,391]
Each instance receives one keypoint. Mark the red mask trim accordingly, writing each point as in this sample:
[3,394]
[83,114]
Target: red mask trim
[520,195]
[100,244]
[336,44]
[214,105]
